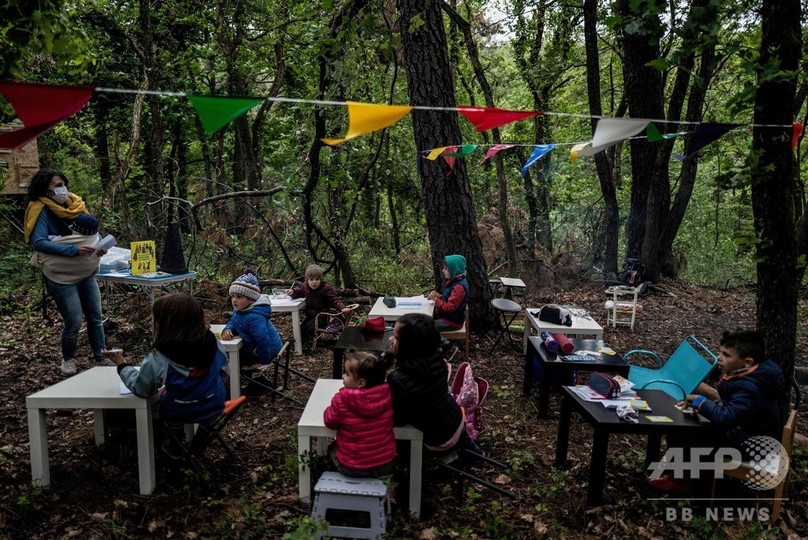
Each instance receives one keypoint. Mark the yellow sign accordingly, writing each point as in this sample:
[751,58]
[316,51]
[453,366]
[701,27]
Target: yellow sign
[144,257]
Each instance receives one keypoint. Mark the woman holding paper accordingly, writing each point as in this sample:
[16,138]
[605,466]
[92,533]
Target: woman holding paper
[63,235]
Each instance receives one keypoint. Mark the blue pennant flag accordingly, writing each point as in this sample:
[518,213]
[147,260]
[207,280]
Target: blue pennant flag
[541,150]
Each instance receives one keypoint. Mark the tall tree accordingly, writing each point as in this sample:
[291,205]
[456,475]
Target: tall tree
[774,185]
[450,217]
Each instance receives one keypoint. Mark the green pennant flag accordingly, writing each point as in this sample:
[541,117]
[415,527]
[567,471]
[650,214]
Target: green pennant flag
[653,134]
[216,112]
[462,151]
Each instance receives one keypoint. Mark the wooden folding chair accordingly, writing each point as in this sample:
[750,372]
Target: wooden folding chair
[461,334]
[330,324]
[206,433]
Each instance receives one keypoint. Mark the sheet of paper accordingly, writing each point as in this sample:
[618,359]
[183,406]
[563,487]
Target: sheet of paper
[411,302]
[104,244]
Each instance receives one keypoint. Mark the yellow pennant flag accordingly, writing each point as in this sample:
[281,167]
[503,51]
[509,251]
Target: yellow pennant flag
[368,117]
[575,149]
[435,152]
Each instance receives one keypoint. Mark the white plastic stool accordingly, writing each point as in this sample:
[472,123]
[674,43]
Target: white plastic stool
[337,492]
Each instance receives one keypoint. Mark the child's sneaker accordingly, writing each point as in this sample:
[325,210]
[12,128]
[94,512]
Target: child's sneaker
[104,362]
[68,367]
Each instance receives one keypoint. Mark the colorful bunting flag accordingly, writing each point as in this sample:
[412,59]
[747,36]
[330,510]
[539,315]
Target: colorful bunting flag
[796,131]
[611,131]
[367,117]
[653,135]
[705,134]
[541,150]
[495,149]
[485,118]
[40,107]
[461,151]
[435,152]
[575,149]
[215,112]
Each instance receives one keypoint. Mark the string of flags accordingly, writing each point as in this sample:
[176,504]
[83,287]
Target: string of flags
[41,106]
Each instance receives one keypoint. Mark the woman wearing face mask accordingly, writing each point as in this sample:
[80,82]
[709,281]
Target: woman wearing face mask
[63,236]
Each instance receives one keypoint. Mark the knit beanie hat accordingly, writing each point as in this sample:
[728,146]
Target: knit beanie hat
[313,271]
[246,285]
[86,224]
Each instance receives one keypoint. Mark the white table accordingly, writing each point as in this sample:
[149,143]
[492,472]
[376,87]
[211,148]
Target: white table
[98,388]
[125,277]
[293,306]
[231,348]
[311,425]
[582,327]
[392,314]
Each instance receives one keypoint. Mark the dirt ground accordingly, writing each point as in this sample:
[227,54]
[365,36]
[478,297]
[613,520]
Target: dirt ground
[94,491]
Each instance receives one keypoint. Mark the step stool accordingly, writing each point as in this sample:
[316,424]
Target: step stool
[337,492]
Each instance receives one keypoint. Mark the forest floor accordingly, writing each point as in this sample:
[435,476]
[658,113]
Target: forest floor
[94,490]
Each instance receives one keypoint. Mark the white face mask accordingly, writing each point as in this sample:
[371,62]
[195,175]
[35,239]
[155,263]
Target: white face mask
[60,194]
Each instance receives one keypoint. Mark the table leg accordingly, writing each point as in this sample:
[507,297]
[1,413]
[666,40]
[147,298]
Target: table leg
[528,326]
[544,390]
[416,463]
[98,426]
[235,374]
[297,333]
[562,442]
[527,378]
[303,470]
[652,449]
[38,441]
[145,450]
[336,370]
[597,467]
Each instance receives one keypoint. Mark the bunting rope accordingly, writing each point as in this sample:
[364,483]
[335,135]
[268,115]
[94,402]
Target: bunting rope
[41,106]
[414,107]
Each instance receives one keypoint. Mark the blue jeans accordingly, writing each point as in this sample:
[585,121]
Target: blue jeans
[74,300]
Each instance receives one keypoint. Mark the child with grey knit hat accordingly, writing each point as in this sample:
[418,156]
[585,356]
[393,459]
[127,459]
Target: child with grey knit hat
[251,322]
[320,297]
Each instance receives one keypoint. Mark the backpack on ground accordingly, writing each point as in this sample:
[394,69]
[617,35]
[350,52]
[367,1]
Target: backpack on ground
[469,392]
[633,272]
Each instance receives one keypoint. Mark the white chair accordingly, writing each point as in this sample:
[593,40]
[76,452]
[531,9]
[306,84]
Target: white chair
[622,308]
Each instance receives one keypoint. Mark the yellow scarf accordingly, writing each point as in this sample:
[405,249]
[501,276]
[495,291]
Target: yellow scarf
[73,208]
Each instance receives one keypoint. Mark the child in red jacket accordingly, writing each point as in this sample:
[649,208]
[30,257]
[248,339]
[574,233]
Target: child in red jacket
[362,414]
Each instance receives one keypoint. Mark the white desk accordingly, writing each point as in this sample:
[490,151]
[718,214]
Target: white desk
[123,276]
[311,425]
[98,388]
[231,348]
[392,314]
[582,327]
[293,306]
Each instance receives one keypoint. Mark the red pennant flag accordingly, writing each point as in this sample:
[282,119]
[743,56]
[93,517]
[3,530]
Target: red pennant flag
[494,150]
[40,107]
[796,131]
[450,160]
[485,118]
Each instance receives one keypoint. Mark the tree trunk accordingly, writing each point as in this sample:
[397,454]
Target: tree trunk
[502,181]
[450,217]
[774,184]
[603,165]
[644,91]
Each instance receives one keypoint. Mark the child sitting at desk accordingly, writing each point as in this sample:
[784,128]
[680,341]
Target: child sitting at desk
[250,321]
[450,304]
[362,414]
[186,362]
[320,297]
[745,403]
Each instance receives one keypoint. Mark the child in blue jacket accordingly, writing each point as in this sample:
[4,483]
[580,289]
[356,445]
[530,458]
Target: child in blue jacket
[186,366]
[250,321]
